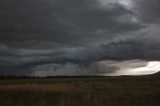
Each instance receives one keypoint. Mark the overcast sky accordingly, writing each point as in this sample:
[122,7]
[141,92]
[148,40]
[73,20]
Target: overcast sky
[79,37]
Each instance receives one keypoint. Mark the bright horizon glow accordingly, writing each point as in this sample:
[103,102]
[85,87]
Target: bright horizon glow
[151,68]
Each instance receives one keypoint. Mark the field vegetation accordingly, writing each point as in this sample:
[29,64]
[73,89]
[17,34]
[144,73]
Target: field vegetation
[81,91]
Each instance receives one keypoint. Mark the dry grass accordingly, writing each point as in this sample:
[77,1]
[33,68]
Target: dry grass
[82,92]
[39,88]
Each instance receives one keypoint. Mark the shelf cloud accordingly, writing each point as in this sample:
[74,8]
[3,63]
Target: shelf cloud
[77,37]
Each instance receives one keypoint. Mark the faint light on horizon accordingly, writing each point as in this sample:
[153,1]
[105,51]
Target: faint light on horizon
[151,68]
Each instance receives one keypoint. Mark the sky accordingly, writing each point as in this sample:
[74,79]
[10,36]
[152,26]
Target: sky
[79,37]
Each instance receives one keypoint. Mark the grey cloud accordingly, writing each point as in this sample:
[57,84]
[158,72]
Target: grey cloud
[86,58]
[128,49]
[147,10]
[60,21]
[98,68]
[76,34]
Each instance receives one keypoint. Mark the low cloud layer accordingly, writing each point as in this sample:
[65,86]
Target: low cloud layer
[51,37]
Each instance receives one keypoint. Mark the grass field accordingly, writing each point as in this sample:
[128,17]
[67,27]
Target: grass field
[86,91]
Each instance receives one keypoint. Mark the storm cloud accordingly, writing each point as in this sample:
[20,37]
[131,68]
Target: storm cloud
[73,37]
[147,10]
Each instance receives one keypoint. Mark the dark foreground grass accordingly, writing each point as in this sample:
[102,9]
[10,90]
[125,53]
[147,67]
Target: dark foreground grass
[99,91]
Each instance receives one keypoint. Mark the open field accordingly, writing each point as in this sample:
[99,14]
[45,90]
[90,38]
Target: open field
[86,91]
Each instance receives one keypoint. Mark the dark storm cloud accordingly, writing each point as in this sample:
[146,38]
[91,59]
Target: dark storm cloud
[61,20]
[25,20]
[75,34]
[86,58]
[148,10]
[128,49]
